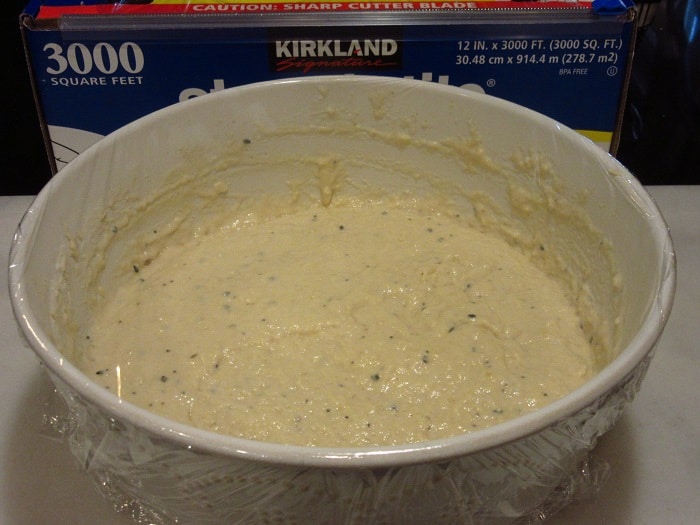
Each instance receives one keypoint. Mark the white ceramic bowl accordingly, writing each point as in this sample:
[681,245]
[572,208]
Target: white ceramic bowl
[162,471]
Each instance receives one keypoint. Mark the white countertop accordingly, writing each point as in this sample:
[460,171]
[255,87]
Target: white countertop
[653,451]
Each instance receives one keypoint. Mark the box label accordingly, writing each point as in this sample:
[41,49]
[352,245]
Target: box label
[97,81]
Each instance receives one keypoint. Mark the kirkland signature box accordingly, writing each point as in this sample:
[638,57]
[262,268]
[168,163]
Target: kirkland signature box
[98,65]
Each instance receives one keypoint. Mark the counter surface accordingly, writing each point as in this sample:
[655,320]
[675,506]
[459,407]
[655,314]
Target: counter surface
[653,451]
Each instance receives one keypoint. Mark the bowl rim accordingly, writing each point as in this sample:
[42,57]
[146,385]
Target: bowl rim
[203,441]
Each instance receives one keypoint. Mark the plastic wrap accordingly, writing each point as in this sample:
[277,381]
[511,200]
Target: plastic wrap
[521,471]
[523,482]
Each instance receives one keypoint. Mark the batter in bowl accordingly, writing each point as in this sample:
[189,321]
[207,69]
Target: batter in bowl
[359,323]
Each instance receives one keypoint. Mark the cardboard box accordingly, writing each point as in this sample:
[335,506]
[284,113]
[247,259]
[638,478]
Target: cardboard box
[98,65]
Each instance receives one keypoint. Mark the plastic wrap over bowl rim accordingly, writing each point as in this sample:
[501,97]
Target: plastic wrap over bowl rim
[371,457]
